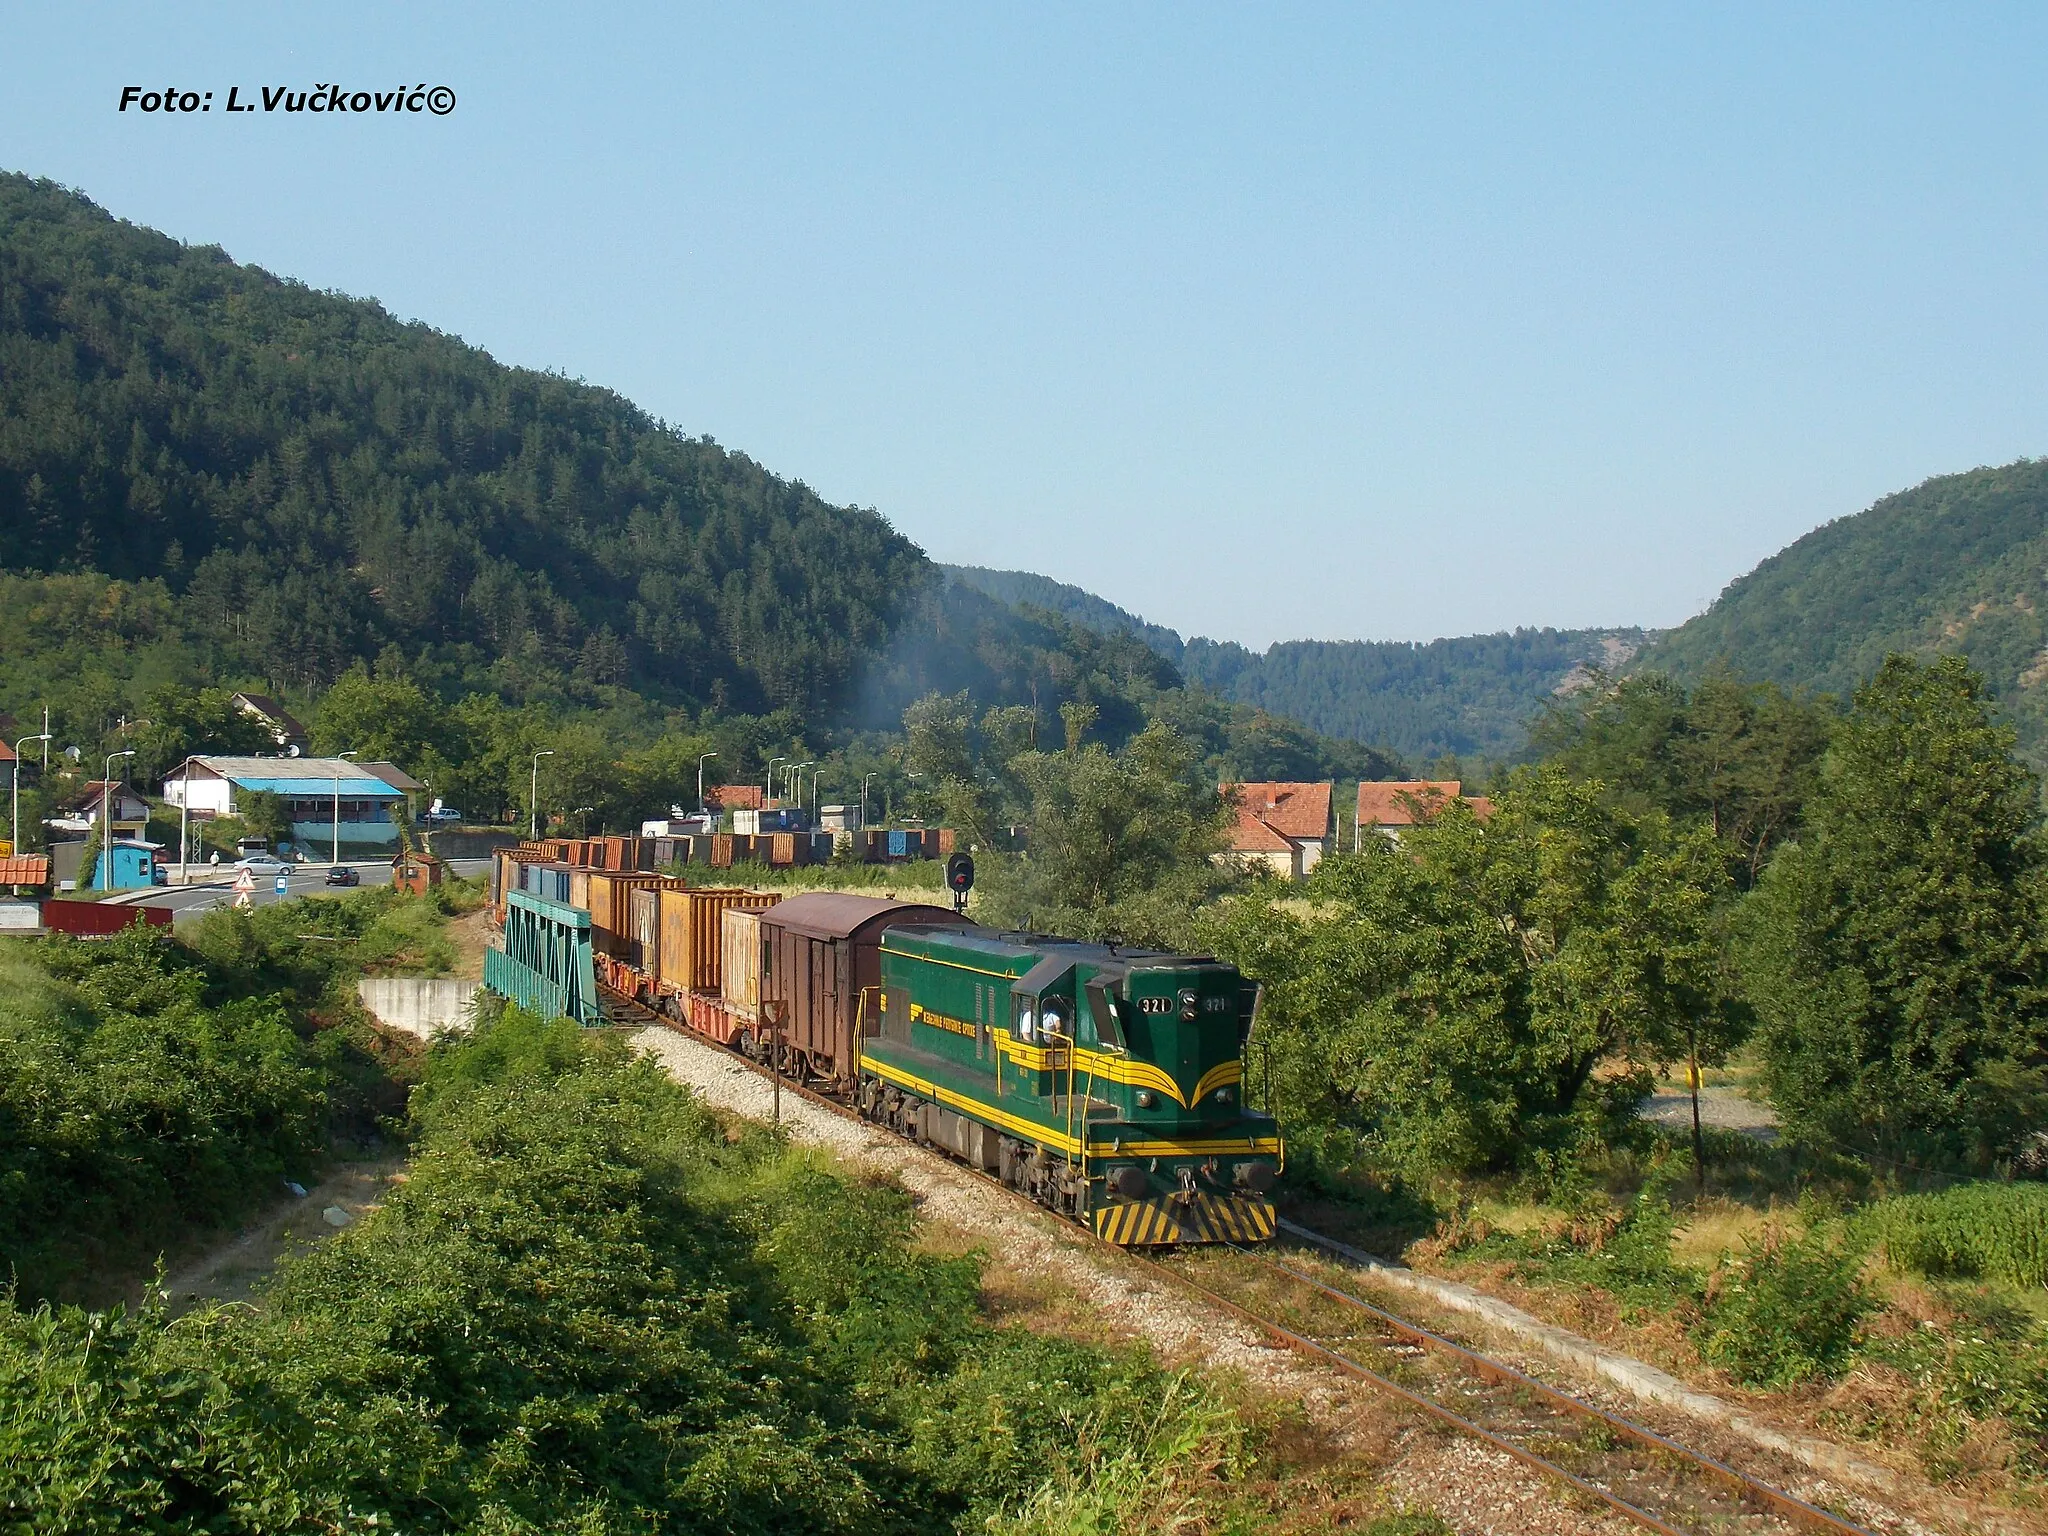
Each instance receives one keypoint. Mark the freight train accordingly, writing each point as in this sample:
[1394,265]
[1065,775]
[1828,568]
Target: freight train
[1106,1083]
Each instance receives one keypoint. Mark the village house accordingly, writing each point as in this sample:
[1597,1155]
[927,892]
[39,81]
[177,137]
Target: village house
[81,812]
[274,718]
[1391,806]
[1285,827]
[317,793]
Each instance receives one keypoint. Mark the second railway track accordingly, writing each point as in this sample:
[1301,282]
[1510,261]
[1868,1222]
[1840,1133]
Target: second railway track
[1603,1459]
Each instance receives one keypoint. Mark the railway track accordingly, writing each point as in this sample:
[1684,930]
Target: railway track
[1603,1459]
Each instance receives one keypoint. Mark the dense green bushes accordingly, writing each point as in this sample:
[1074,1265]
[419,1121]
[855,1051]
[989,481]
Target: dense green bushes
[151,1088]
[1996,1231]
[585,1309]
[133,1108]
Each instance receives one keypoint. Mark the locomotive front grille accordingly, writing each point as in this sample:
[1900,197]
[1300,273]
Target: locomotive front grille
[1164,1219]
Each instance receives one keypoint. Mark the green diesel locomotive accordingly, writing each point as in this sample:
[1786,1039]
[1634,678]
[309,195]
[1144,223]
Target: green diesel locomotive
[1107,1083]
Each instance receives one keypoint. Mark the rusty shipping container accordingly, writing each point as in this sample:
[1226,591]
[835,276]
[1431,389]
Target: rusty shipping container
[579,886]
[820,953]
[948,841]
[721,850]
[611,909]
[783,849]
[739,966]
[692,934]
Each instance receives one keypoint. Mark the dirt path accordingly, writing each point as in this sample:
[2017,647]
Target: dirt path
[232,1270]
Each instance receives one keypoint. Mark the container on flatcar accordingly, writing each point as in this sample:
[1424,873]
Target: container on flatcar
[579,887]
[692,935]
[820,956]
[611,911]
[739,966]
[644,950]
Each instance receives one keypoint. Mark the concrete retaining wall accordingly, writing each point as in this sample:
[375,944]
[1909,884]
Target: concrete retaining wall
[423,1008]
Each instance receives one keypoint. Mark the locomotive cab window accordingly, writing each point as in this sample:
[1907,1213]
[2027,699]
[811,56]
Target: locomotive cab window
[1109,1034]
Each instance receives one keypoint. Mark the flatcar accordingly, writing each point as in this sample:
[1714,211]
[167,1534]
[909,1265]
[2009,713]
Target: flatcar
[1106,1083]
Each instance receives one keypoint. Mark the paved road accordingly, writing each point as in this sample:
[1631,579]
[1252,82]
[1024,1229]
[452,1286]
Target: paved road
[195,900]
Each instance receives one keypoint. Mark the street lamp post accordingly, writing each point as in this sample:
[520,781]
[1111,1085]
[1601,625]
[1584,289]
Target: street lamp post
[339,757]
[700,781]
[797,786]
[864,800]
[15,846]
[533,794]
[768,784]
[107,814]
[816,775]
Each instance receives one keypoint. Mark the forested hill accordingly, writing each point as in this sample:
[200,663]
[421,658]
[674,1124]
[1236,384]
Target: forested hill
[210,475]
[1958,563]
[316,481]
[1471,696]
[1072,603]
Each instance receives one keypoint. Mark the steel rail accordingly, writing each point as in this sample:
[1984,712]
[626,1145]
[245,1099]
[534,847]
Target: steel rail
[1780,1502]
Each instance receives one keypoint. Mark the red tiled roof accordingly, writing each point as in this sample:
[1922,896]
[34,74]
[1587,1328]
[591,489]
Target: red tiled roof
[1403,802]
[1251,835]
[734,797]
[26,869]
[6,752]
[1482,808]
[1298,811]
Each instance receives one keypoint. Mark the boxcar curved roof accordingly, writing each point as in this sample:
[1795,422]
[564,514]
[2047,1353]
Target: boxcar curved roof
[841,914]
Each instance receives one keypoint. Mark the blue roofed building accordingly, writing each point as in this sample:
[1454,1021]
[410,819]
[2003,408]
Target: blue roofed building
[319,793]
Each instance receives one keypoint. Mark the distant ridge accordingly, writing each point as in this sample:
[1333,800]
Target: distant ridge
[1958,563]
[1469,697]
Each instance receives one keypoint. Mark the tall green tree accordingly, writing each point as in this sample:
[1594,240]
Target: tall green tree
[1895,954]
[1120,843]
[1485,995]
[1736,755]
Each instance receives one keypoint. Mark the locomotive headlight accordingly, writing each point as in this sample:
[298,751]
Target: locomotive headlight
[1147,1098]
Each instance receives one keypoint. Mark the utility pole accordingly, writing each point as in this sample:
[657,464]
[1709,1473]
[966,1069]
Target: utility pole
[107,821]
[15,846]
[533,794]
[184,818]
[339,758]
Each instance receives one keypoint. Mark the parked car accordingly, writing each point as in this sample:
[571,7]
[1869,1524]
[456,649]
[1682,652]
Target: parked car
[441,815]
[341,874]
[264,864]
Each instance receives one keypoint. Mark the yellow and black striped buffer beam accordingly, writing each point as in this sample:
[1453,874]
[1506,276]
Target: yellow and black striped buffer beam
[1204,1219]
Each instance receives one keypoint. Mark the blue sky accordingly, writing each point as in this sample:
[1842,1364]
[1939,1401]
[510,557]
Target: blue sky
[1266,322]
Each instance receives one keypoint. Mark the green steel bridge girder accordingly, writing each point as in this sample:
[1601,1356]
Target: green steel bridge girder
[545,966]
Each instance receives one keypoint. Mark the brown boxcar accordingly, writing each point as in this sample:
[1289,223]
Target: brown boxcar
[820,953]
[692,932]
